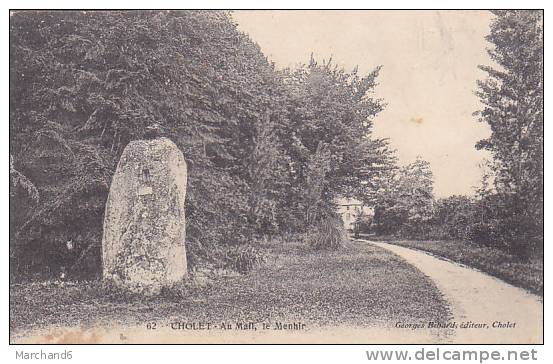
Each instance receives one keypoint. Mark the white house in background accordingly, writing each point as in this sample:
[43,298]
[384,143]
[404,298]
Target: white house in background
[349,209]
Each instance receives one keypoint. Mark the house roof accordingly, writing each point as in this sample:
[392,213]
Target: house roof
[342,201]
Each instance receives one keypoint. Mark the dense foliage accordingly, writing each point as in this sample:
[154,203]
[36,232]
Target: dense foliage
[405,205]
[267,151]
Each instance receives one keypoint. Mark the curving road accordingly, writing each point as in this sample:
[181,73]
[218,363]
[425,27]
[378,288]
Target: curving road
[481,299]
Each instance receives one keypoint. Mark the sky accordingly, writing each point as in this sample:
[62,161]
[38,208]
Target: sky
[428,77]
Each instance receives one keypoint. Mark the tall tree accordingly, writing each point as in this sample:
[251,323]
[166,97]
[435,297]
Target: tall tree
[331,114]
[512,96]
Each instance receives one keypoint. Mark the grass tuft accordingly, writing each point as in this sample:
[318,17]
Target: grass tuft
[328,234]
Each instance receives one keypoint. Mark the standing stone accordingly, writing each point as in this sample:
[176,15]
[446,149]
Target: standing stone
[143,246]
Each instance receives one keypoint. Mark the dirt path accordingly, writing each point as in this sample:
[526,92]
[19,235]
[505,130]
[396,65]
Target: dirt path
[481,299]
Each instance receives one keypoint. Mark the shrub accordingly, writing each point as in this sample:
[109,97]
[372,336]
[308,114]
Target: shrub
[482,233]
[363,224]
[242,258]
[327,234]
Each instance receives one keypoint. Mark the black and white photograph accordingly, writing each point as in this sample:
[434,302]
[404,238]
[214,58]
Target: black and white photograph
[276,177]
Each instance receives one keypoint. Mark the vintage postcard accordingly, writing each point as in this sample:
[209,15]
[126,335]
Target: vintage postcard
[302,177]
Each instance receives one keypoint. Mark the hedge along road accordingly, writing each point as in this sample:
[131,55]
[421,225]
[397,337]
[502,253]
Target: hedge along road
[492,311]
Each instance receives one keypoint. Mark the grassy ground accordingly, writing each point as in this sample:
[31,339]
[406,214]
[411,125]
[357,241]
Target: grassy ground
[358,285]
[527,274]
